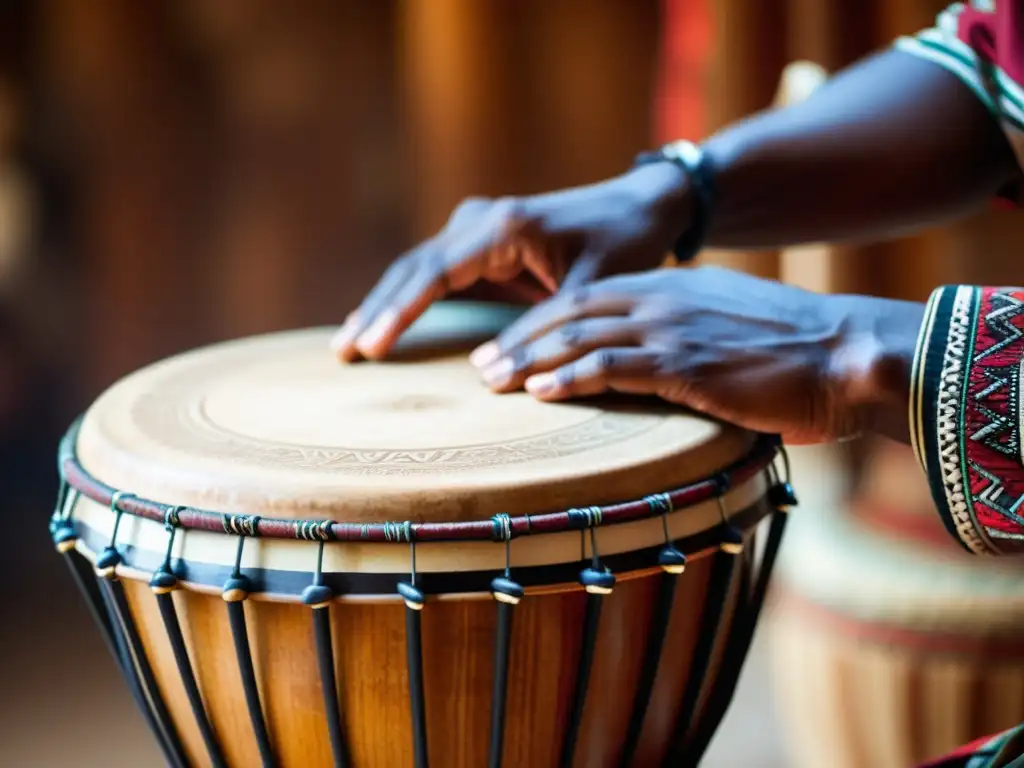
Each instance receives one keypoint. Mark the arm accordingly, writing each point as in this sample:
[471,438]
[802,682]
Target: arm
[905,139]
[911,137]
[894,144]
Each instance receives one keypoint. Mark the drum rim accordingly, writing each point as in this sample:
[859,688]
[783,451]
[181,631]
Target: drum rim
[74,477]
[287,586]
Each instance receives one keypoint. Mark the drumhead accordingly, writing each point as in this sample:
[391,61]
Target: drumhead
[275,426]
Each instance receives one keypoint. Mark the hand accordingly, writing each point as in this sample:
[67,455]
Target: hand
[563,238]
[755,353]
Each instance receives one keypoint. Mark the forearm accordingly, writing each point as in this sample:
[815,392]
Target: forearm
[894,144]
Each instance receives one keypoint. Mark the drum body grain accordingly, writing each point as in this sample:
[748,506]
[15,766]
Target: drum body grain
[386,565]
[891,647]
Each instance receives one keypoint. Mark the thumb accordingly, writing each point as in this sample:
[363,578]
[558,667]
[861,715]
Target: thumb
[585,269]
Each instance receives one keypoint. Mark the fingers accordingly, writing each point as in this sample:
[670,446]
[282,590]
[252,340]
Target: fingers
[557,347]
[586,269]
[616,296]
[366,320]
[402,307]
[608,369]
[547,271]
[404,293]
[451,261]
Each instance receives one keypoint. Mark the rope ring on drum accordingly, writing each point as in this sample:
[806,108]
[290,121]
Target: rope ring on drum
[503,533]
[115,507]
[762,453]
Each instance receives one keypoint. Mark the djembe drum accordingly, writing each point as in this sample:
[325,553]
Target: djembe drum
[300,563]
[891,645]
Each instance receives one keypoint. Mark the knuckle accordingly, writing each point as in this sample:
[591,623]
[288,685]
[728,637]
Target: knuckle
[469,205]
[565,376]
[670,365]
[509,214]
[570,335]
[433,263]
[522,358]
[577,297]
[602,361]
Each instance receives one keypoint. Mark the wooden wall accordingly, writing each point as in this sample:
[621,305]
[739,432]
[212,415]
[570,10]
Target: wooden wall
[754,39]
[232,168]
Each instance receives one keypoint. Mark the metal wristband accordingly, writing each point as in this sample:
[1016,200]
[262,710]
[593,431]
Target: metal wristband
[692,159]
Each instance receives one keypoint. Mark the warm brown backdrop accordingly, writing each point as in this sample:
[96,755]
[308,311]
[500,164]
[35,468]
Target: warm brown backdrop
[178,172]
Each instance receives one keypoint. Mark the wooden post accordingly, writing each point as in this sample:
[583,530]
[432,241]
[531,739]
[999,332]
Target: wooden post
[749,54]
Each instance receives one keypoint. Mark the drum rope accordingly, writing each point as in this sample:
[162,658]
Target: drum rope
[398,532]
[414,602]
[69,504]
[135,662]
[241,525]
[747,617]
[785,462]
[673,564]
[598,581]
[236,590]
[318,596]
[314,530]
[115,507]
[163,584]
[724,569]
[171,523]
[65,538]
[61,514]
[732,540]
[507,594]
[61,520]
[503,533]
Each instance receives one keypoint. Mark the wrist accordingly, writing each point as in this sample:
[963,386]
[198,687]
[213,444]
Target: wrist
[667,195]
[698,169]
[871,365]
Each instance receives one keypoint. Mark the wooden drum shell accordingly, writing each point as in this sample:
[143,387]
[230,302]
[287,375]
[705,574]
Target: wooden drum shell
[369,650]
[889,652]
[369,644]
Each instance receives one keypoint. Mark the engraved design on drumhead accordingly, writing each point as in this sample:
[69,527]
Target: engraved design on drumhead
[173,412]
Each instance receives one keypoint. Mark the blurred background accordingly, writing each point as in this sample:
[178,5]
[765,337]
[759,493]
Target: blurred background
[178,172]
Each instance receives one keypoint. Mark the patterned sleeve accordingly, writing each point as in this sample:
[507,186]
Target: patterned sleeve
[982,43]
[998,751]
[965,413]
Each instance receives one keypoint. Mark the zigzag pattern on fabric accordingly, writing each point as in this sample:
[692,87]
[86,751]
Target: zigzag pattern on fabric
[952,381]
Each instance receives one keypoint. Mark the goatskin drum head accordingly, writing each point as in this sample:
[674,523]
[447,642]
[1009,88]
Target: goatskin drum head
[275,426]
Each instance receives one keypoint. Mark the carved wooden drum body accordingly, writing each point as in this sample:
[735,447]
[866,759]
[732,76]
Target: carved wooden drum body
[889,646]
[299,563]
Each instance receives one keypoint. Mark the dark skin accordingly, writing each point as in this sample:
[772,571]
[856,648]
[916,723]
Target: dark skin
[892,145]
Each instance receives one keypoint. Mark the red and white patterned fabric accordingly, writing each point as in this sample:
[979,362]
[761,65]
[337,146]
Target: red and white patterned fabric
[965,414]
[965,408]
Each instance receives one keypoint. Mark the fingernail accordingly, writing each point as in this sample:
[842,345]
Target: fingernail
[499,372]
[540,384]
[485,354]
[341,339]
[344,334]
[377,330]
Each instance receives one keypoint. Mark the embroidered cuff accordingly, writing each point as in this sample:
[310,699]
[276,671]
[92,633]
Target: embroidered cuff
[965,413]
